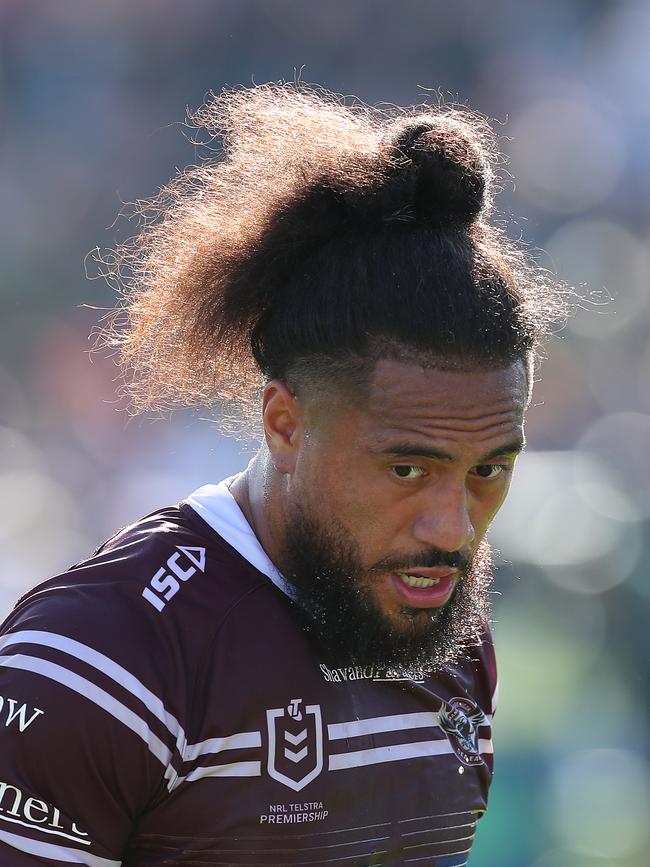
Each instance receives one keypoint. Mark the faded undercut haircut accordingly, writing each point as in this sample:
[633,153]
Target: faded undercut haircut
[319,236]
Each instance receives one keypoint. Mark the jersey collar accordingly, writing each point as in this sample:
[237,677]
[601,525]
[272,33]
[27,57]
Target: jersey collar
[218,508]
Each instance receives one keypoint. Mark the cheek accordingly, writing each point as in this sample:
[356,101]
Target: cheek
[339,488]
[322,487]
[357,510]
[486,507]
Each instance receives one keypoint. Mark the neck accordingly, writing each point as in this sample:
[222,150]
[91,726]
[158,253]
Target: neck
[260,493]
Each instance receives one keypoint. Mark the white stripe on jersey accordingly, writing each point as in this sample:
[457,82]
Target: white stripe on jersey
[107,666]
[396,753]
[446,855]
[392,723]
[375,725]
[93,693]
[355,759]
[233,769]
[218,745]
[336,731]
[465,839]
[375,755]
[55,853]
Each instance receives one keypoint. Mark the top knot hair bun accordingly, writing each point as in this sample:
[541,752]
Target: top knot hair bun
[443,162]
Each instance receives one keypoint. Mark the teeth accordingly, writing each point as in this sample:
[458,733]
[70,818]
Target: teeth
[417,581]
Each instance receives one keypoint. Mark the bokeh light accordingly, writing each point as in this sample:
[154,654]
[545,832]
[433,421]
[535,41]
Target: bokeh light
[566,510]
[599,802]
[609,264]
[546,648]
[567,152]
[620,441]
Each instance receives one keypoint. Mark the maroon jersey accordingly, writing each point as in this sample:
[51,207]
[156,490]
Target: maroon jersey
[159,705]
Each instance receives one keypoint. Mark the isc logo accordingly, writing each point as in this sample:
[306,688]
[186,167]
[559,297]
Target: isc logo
[165,583]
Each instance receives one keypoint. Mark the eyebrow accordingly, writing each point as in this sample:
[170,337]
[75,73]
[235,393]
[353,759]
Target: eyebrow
[412,450]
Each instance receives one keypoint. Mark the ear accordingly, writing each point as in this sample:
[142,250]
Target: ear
[283,425]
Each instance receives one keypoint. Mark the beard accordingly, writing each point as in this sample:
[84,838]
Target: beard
[340,614]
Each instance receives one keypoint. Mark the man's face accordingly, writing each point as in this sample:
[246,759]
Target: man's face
[389,502]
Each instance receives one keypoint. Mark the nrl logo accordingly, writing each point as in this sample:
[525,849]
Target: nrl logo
[459,720]
[295,744]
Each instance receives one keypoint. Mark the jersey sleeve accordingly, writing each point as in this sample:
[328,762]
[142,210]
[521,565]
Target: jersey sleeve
[87,741]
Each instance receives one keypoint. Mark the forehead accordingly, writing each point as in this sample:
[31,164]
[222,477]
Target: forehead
[409,399]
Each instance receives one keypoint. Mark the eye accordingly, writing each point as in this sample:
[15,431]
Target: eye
[408,471]
[490,471]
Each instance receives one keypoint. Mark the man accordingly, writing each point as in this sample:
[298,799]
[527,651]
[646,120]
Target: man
[293,666]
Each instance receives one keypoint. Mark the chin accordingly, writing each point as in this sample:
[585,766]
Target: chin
[358,621]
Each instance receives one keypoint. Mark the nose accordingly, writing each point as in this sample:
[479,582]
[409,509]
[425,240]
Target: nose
[444,521]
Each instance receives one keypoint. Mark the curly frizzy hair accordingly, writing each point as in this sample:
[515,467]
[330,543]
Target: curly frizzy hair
[320,230]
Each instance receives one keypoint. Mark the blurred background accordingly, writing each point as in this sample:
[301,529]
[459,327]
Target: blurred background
[91,96]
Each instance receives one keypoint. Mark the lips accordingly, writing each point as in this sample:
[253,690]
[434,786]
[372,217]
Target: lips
[425,588]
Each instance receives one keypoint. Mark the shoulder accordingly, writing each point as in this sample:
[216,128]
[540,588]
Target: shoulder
[160,579]
[125,631]
[98,668]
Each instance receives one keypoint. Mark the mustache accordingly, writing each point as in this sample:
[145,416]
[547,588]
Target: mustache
[428,559]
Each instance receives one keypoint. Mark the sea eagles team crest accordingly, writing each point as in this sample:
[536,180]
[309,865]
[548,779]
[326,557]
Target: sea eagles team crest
[295,743]
[459,720]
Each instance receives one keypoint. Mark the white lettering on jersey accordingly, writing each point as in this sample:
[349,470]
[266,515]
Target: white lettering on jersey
[9,706]
[164,586]
[33,812]
[280,814]
[370,672]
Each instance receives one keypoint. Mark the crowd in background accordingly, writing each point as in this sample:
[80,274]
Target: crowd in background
[91,96]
